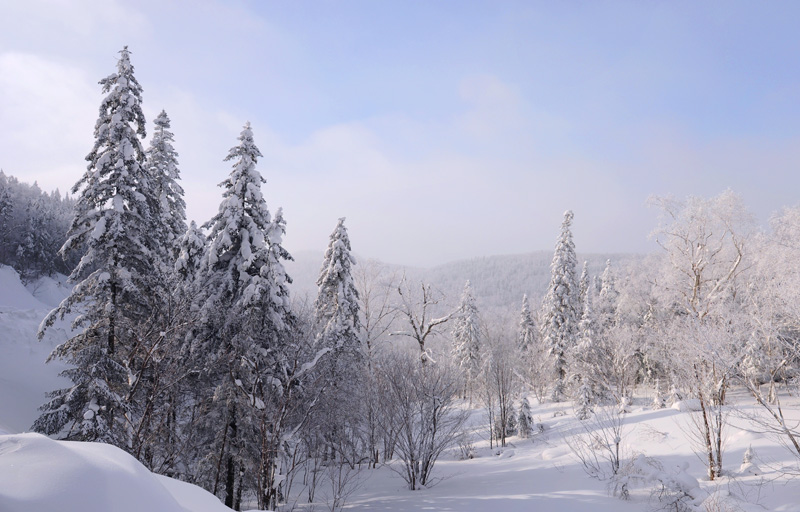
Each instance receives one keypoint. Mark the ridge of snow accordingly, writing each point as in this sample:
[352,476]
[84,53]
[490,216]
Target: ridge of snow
[38,473]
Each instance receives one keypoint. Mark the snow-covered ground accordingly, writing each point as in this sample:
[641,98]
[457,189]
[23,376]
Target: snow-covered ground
[540,473]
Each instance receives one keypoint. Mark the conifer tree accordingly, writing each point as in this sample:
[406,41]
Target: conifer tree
[168,220]
[560,312]
[110,221]
[246,312]
[525,419]
[191,247]
[583,283]
[585,359]
[527,336]
[608,297]
[584,400]
[336,308]
[467,339]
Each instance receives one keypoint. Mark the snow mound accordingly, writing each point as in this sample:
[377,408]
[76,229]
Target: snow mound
[38,473]
[13,295]
[690,405]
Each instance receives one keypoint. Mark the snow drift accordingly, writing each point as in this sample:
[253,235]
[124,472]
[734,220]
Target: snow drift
[38,473]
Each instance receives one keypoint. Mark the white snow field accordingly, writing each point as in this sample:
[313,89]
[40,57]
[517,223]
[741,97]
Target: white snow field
[540,473]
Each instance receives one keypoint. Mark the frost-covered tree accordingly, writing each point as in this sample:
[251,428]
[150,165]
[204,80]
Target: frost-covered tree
[191,247]
[417,313]
[527,333]
[242,265]
[467,339]
[608,297]
[246,314]
[111,296]
[525,419]
[168,220]
[583,283]
[560,309]
[337,316]
[337,305]
[584,400]
[586,354]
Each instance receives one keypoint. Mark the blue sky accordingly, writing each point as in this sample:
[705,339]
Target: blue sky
[441,130]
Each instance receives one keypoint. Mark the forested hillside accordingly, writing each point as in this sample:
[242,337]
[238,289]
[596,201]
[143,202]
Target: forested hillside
[33,227]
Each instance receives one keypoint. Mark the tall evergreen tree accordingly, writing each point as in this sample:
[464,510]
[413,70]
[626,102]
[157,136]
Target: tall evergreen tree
[336,308]
[467,339]
[168,221]
[245,309]
[527,334]
[583,283]
[191,247]
[585,359]
[110,221]
[608,297]
[560,312]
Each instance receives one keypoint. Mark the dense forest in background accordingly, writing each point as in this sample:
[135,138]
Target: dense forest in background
[33,227]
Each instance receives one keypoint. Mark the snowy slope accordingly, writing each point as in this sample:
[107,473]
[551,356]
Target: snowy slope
[24,375]
[543,474]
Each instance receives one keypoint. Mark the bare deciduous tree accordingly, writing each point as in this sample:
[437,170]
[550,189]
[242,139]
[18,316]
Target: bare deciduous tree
[420,411]
[417,311]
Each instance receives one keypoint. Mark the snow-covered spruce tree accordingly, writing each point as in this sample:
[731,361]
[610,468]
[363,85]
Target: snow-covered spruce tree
[560,309]
[191,247]
[159,395]
[467,340]
[527,334]
[586,360]
[607,298]
[110,223]
[584,401]
[246,315]
[168,221]
[525,419]
[338,326]
[336,308]
[583,283]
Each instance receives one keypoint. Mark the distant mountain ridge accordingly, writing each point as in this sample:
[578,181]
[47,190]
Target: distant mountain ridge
[498,282]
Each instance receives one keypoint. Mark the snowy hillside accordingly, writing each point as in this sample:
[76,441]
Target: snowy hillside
[499,281]
[24,376]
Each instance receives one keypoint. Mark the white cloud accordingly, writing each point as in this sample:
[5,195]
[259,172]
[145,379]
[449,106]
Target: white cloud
[48,117]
